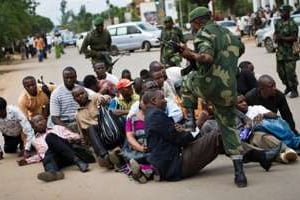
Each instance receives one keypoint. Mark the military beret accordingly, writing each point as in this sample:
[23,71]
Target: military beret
[98,21]
[198,12]
[168,19]
[286,8]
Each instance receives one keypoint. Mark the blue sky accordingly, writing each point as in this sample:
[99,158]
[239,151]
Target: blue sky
[50,8]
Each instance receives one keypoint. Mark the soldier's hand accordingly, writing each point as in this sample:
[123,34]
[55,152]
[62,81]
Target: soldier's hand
[187,53]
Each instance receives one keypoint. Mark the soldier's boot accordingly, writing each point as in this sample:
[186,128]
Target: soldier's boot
[239,176]
[287,90]
[294,93]
[190,124]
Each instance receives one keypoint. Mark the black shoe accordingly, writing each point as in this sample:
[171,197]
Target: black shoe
[294,94]
[286,91]
[239,176]
[83,167]
[269,157]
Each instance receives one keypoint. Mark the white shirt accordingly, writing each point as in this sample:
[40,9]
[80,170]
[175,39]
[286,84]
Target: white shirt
[174,74]
[253,111]
[15,123]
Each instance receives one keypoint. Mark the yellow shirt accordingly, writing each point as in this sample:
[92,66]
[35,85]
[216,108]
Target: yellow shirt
[33,105]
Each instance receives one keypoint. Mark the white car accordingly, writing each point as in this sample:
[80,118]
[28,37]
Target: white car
[231,26]
[267,27]
[80,39]
[134,35]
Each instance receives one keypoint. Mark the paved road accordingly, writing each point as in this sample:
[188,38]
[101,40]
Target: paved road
[214,182]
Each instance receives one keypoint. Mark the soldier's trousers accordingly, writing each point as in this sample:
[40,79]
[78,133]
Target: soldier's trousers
[225,116]
[286,70]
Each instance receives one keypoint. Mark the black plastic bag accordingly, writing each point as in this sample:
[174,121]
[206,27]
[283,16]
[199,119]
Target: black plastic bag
[110,128]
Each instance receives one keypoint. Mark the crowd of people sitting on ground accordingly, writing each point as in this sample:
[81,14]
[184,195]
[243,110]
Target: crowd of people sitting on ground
[136,126]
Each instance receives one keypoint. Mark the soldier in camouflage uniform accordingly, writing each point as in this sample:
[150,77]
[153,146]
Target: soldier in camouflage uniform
[286,32]
[99,41]
[168,56]
[214,80]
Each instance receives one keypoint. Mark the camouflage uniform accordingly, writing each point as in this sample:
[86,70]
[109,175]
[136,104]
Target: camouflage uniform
[98,41]
[168,56]
[216,83]
[285,59]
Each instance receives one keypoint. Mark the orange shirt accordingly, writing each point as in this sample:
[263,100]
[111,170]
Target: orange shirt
[39,43]
[33,105]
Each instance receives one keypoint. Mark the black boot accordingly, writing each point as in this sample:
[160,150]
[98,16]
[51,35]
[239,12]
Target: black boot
[239,176]
[294,93]
[189,124]
[287,90]
[83,167]
[264,157]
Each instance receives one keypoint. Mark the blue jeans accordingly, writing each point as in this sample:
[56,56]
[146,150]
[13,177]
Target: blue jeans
[280,129]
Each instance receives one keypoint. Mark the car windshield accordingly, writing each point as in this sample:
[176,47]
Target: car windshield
[147,27]
[227,24]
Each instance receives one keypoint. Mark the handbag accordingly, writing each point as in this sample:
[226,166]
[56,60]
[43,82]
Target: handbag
[296,47]
[109,128]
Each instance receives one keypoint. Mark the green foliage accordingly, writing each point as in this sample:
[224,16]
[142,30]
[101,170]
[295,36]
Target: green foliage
[236,7]
[41,24]
[16,23]
[81,22]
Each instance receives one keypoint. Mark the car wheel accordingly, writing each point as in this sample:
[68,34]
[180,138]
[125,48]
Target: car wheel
[269,45]
[147,46]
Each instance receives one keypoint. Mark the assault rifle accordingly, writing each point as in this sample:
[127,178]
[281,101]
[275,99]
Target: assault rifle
[178,49]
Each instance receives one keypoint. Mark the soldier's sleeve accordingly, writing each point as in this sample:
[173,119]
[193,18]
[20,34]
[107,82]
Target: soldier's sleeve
[294,30]
[204,43]
[180,35]
[85,44]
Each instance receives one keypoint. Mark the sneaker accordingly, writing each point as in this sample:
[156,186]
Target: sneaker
[50,176]
[1,154]
[105,162]
[136,171]
[290,155]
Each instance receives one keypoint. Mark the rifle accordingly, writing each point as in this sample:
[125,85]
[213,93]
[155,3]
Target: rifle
[178,49]
[45,88]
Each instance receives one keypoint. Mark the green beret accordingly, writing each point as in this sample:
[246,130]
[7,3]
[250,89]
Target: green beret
[98,21]
[168,19]
[285,8]
[198,12]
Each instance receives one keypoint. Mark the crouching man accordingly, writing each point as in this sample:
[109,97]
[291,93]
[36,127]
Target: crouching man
[54,148]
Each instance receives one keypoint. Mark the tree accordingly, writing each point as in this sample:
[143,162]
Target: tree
[81,22]
[16,22]
[40,24]
[65,14]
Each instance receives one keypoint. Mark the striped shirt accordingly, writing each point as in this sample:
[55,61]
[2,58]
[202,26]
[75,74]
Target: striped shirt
[63,105]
